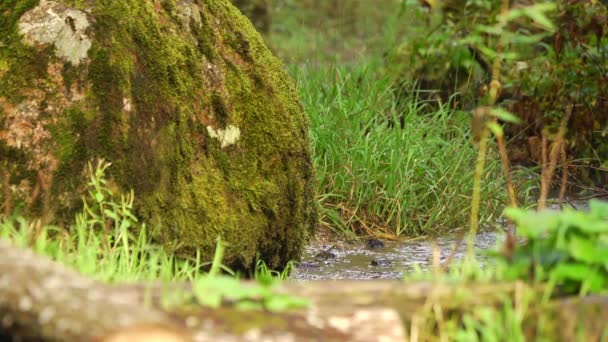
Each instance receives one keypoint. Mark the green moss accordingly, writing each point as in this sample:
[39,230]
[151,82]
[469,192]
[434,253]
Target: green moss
[205,38]
[70,147]
[25,64]
[10,12]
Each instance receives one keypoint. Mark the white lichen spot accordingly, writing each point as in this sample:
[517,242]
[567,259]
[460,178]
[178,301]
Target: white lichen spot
[126,105]
[61,26]
[190,12]
[227,136]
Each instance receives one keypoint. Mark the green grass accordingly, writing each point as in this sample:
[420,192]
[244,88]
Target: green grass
[376,177]
[105,241]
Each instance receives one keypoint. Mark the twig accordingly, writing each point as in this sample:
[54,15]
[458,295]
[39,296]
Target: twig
[564,183]
[549,168]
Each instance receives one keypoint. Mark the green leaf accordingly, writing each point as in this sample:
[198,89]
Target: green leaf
[536,13]
[99,197]
[111,214]
[125,224]
[589,277]
[249,305]
[584,222]
[526,39]
[532,224]
[490,53]
[510,56]
[495,128]
[599,209]
[572,271]
[505,115]
[279,302]
[588,250]
[494,30]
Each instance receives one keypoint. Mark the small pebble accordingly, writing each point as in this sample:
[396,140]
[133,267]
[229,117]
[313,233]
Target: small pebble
[374,243]
[307,265]
[324,256]
[380,263]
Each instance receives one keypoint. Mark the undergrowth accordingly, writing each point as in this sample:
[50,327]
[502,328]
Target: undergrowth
[388,167]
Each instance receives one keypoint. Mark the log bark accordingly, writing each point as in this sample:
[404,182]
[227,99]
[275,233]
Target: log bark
[42,300]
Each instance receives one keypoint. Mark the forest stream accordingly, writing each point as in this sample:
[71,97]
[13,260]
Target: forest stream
[374,259]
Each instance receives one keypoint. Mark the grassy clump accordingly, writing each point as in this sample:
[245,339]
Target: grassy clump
[105,241]
[386,167]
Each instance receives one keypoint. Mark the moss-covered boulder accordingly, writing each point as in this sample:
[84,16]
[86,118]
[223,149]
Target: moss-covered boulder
[182,96]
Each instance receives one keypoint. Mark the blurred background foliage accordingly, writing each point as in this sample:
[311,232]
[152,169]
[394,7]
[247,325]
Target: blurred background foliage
[442,52]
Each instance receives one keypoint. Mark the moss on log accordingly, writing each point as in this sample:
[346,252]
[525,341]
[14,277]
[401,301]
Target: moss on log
[42,300]
[182,96]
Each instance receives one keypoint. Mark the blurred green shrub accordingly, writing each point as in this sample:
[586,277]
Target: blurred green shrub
[568,249]
[554,55]
[321,31]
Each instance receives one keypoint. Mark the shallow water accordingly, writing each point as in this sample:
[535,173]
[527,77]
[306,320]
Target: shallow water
[358,261]
[339,260]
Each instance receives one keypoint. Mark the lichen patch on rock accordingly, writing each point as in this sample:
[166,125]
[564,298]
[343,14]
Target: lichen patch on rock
[227,137]
[56,24]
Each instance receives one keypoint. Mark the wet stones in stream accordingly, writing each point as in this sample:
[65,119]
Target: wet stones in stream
[376,259]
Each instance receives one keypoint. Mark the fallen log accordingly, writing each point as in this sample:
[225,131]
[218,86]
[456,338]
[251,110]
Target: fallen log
[42,300]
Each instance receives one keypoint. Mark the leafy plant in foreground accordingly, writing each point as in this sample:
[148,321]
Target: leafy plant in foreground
[567,249]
